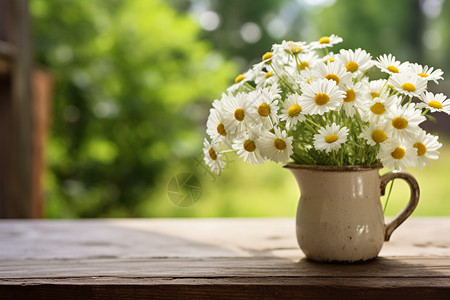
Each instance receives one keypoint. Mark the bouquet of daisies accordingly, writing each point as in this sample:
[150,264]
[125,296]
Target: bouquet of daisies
[306,104]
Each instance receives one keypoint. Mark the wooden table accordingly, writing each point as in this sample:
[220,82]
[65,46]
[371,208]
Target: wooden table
[210,259]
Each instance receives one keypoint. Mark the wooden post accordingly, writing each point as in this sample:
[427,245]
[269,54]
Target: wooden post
[16,143]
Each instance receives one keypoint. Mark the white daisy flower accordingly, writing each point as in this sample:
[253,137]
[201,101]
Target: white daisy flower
[426,146]
[235,111]
[333,71]
[388,64]
[326,41]
[356,98]
[305,77]
[213,158]
[248,147]
[404,121]
[377,108]
[240,81]
[264,78]
[408,84]
[379,88]
[308,60]
[330,137]
[292,111]
[396,155]
[321,96]
[330,57]
[375,133]
[434,102]
[268,58]
[276,146]
[290,47]
[356,61]
[215,126]
[217,104]
[425,73]
[269,62]
[263,105]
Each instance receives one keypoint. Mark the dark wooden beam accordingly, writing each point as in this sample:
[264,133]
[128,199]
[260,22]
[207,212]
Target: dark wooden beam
[16,111]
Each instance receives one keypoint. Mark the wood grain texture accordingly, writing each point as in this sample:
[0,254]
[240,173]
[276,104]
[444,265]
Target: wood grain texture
[210,259]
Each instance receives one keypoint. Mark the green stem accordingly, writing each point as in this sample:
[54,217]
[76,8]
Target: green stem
[297,63]
[313,123]
[228,150]
[249,86]
[387,80]
[425,112]
[403,99]
[310,127]
[282,79]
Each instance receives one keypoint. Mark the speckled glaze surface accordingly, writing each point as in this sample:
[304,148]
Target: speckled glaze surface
[339,217]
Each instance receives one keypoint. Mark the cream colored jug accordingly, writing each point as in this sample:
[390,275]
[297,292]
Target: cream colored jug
[339,217]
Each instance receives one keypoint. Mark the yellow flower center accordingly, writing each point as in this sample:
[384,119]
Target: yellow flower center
[309,80]
[352,66]
[392,69]
[294,110]
[303,65]
[321,99]
[264,110]
[239,78]
[212,153]
[249,146]
[399,123]
[296,49]
[324,40]
[378,108]
[279,144]
[408,87]
[435,104]
[333,77]
[379,136]
[374,95]
[421,148]
[239,114]
[266,56]
[422,75]
[398,153]
[221,130]
[331,138]
[331,59]
[349,96]
[268,75]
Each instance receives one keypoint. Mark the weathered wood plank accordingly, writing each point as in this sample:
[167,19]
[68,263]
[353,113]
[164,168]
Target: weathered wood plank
[138,238]
[210,259]
[257,267]
[246,288]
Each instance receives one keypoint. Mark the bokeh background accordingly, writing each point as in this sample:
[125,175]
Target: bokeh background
[134,81]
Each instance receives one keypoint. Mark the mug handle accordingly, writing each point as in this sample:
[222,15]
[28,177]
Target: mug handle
[409,208]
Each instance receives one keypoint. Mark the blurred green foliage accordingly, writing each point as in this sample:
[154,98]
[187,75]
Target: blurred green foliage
[129,77]
[135,80]
[382,26]
[412,30]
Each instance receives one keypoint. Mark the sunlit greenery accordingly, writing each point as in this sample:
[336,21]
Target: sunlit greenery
[135,79]
[129,77]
